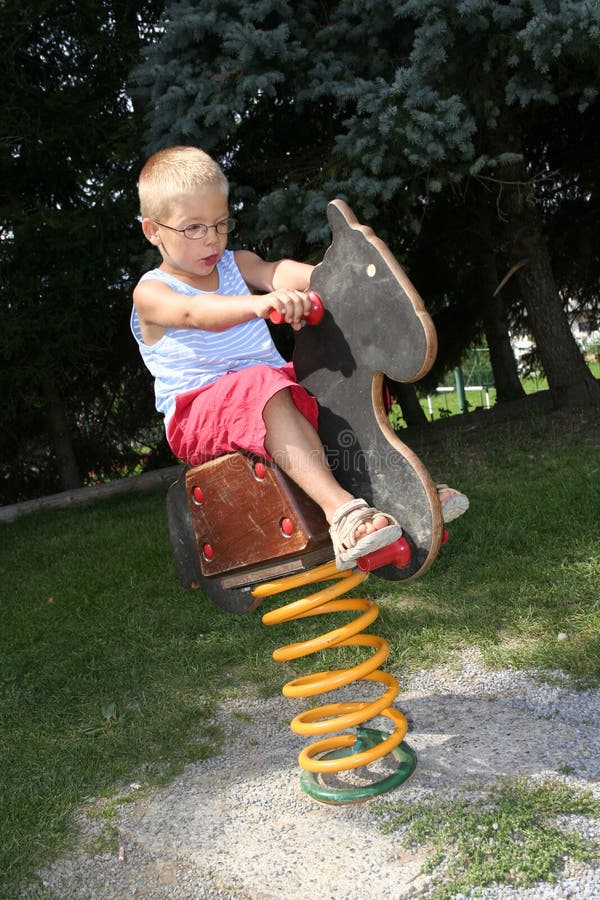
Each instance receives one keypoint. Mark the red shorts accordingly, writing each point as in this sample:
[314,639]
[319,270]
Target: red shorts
[227,415]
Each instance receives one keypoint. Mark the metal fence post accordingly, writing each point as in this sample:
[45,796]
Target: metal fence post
[460,390]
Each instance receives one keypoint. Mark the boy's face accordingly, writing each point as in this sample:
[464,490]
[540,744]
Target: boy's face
[182,256]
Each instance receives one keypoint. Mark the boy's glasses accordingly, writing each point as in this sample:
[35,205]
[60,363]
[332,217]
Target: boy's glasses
[197,232]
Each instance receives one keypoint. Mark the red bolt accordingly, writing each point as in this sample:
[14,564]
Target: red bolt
[287,526]
[197,494]
[208,552]
[260,470]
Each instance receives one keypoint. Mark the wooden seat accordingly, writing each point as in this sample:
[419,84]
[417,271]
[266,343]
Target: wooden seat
[245,511]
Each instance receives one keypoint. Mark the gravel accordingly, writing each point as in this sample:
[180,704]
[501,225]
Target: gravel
[238,826]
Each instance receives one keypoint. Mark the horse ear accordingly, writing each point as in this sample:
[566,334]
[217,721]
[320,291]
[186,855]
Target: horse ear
[339,215]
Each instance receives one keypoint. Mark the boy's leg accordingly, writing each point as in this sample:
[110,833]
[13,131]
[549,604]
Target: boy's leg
[296,447]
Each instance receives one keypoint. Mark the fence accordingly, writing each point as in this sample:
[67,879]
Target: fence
[461,388]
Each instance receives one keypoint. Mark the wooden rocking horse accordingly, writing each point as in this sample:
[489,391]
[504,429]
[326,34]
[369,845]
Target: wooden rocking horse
[374,323]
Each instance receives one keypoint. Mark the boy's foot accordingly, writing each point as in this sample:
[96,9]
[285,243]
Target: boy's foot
[453,503]
[354,532]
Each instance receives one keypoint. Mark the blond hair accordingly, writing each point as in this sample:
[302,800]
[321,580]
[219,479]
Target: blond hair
[173,172]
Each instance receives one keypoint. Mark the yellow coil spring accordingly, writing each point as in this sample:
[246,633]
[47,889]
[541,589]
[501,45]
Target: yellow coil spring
[335,716]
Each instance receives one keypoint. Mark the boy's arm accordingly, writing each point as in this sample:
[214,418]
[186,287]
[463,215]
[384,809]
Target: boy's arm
[271,276]
[159,306]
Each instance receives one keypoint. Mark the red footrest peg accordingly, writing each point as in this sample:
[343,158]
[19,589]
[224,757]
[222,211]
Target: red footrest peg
[397,554]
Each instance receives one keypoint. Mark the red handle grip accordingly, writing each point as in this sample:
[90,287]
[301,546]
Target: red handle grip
[315,315]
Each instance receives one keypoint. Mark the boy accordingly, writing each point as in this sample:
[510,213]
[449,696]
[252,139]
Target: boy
[219,380]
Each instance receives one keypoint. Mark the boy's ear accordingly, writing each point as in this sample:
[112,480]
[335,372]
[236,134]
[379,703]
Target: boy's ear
[150,230]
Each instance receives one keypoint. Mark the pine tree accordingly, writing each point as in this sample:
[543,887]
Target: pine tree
[67,218]
[400,106]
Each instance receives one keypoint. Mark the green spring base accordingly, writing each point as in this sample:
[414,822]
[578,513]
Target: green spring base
[365,738]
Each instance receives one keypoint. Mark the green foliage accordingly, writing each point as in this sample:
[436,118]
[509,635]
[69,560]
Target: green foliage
[507,834]
[426,116]
[364,99]
[70,248]
[438,123]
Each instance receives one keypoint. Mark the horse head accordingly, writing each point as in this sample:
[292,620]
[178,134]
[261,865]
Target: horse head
[375,323]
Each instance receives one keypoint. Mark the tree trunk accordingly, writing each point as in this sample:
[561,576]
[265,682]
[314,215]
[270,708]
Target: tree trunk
[60,437]
[493,313]
[504,366]
[412,410]
[570,381]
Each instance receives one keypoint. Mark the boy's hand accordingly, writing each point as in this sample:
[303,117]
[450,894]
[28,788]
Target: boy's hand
[293,305]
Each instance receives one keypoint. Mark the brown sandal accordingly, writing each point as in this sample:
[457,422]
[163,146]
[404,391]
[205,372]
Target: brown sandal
[454,505]
[346,519]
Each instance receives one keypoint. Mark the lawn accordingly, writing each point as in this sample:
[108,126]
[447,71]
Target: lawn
[110,671]
[480,392]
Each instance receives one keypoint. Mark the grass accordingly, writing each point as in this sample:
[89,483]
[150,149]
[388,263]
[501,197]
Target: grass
[109,671]
[443,404]
[523,567]
[508,834]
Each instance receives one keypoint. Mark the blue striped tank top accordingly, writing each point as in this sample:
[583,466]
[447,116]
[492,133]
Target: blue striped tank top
[188,358]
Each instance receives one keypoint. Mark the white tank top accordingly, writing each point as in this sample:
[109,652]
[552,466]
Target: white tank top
[188,358]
